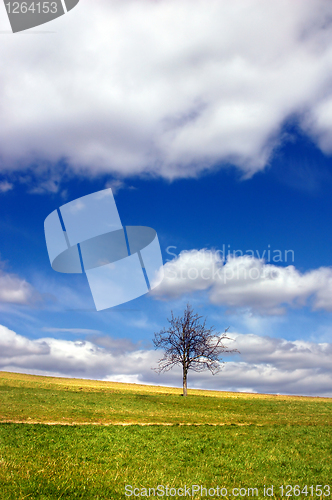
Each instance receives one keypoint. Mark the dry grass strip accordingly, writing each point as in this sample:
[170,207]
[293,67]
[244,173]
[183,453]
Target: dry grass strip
[124,424]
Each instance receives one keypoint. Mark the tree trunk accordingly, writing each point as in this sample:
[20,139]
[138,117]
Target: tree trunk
[184,382]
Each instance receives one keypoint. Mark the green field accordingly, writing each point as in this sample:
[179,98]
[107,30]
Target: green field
[105,436]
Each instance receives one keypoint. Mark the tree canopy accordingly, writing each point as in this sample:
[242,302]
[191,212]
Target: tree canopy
[189,343]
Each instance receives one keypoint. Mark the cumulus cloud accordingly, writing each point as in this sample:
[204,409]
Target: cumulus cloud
[5,186]
[265,364]
[15,290]
[13,345]
[283,354]
[165,88]
[98,359]
[116,346]
[245,282]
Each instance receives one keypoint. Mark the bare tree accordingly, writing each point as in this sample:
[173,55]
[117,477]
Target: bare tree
[187,342]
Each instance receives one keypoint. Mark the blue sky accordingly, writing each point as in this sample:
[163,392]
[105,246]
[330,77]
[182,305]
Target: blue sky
[217,140]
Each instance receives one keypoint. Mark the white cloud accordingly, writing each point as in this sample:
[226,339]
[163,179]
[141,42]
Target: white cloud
[246,282]
[86,359]
[116,346]
[167,88]
[13,345]
[284,354]
[318,123]
[75,331]
[15,290]
[115,185]
[5,186]
[265,364]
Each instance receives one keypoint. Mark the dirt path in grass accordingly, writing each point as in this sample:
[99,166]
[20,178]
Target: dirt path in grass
[124,424]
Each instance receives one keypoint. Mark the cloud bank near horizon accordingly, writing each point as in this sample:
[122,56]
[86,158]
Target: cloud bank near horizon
[169,88]
[265,365]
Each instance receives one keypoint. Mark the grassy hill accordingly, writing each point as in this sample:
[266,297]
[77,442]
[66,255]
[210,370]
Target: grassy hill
[210,439]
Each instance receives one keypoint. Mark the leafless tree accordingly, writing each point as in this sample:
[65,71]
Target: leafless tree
[187,342]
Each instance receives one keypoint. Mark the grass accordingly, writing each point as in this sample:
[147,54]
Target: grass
[97,462]
[285,440]
[27,398]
